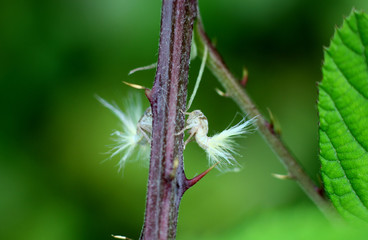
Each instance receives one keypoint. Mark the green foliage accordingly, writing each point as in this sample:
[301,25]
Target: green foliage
[56,55]
[343,112]
[286,224]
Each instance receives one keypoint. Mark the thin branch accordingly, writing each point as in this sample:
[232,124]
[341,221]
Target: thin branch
[239,95]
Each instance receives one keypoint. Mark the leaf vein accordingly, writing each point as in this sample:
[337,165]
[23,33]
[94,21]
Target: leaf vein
[345,77]
[336,154]
[347,46]
[364,47]
[343,120]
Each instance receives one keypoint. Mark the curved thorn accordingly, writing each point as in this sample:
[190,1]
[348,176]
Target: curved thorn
[148,94]
[196,179]
[274,125]
[120,237]
[136,86]
[282,177]
[221,93]
[244,80]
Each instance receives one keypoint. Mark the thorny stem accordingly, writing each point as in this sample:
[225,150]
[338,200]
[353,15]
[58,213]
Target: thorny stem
[167,182]
[240,96]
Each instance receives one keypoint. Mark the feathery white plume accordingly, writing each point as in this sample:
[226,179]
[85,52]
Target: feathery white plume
[222,146]
[130,136]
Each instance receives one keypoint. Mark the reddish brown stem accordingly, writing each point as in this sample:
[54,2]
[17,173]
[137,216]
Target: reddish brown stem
[167,182]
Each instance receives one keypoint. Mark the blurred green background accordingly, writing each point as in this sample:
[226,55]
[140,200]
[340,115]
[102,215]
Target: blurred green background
[56,55]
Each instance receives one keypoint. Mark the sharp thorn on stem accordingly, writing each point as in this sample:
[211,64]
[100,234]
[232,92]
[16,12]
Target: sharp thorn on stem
[273,125]
[221,93]
[244,80]
[282,177]
[136,86]
[120,237]
[193,181]
[147,91]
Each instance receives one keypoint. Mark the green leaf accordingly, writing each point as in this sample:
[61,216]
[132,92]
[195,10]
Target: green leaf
[343,116]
